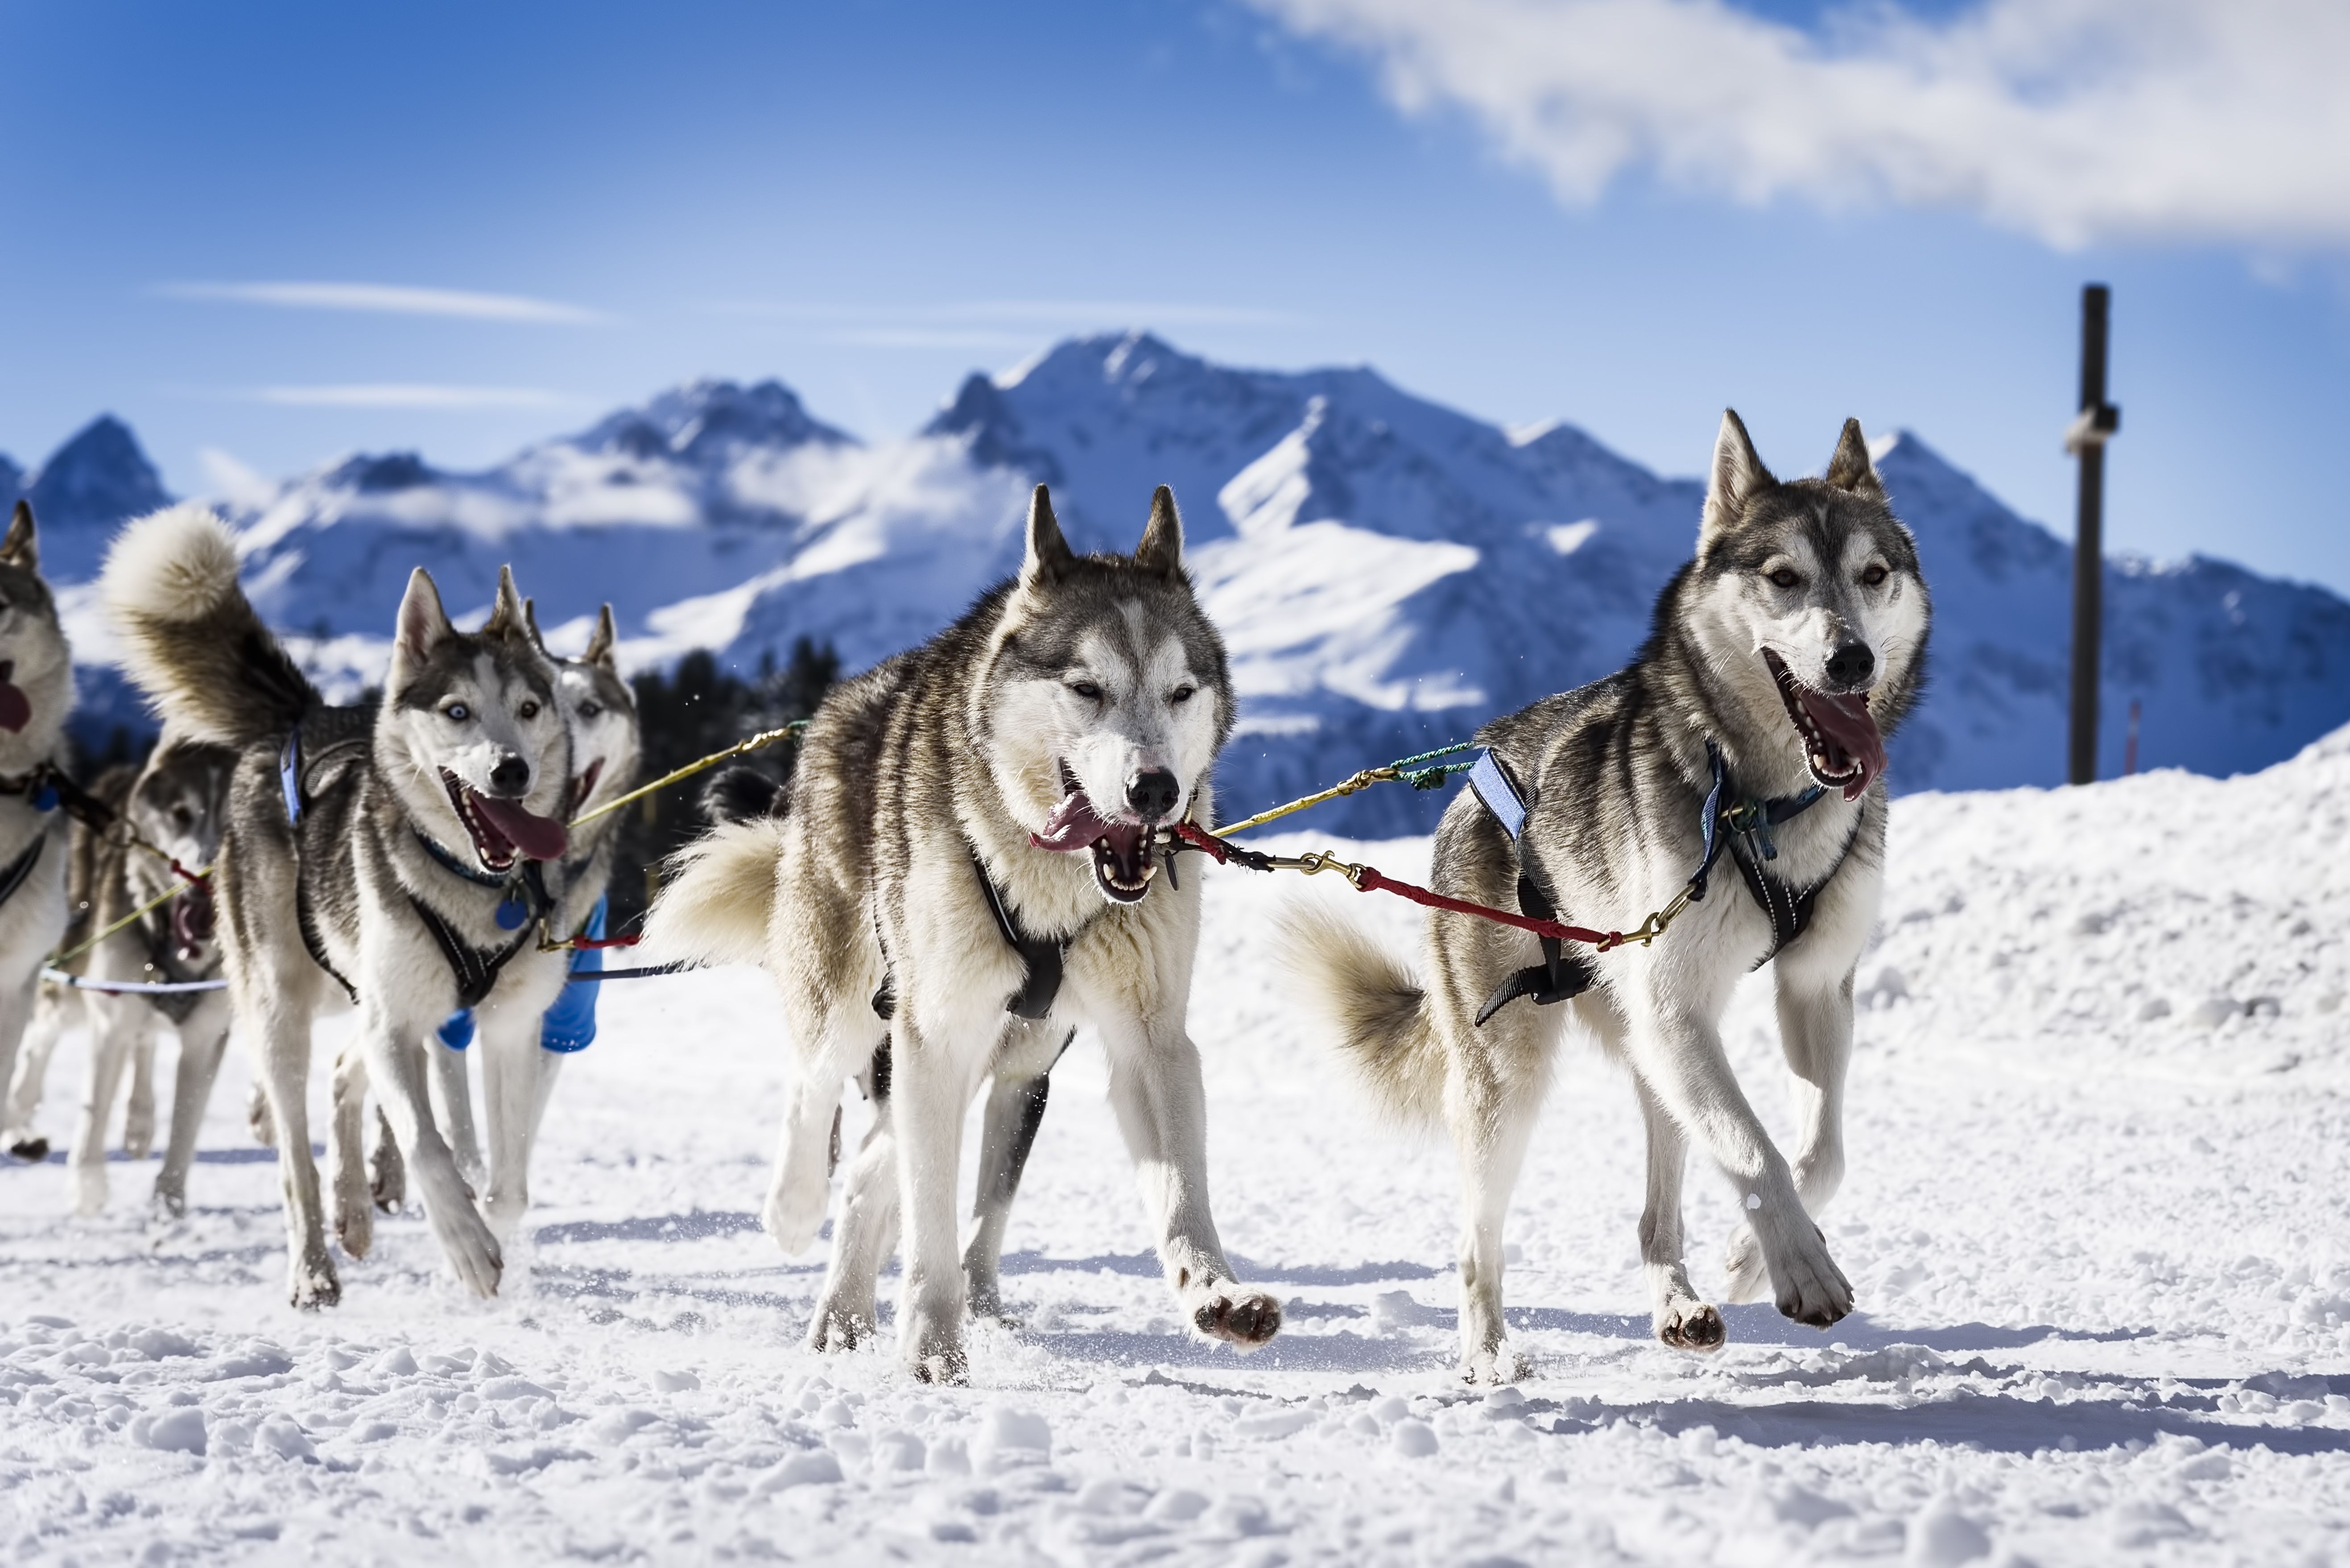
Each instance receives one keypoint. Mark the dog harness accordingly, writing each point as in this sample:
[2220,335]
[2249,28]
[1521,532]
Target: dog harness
[475,969]
[1748,823]
[1044,956]
[569,1023]
[45,788]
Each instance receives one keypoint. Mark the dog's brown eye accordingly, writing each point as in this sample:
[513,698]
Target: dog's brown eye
[1874,575]
[1787,577]
[1181,694]
[529,710]
[1086,690]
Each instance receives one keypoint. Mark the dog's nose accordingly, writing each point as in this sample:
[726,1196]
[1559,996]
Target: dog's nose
[511,777]
[1152,793]
[1851,665]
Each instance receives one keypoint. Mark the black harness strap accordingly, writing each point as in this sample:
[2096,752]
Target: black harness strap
[1043,955]
[289,782]
[21,868]
[476,971]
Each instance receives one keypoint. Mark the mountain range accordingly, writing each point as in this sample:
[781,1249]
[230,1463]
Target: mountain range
[1387,571]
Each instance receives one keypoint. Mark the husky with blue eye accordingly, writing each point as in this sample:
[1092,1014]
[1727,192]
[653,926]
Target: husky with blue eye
[961,871]
[1748,739]
[395,858]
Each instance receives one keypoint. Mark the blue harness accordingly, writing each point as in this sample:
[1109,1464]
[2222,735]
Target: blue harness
[570,1023]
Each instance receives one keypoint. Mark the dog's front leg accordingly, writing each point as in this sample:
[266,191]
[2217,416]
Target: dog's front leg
[1162,1110]
[930,1082]
[32,1070]
[395,1066]
[346,1176]
[1815,1033]
[517,1080]
[113,1037]
[1677,1051]
[452,1108]
[284,1048]
[203,1041]
[138,1115]
[24,1082]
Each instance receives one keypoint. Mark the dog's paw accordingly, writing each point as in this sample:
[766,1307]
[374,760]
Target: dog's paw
[171,1198]
[466,1241]
[839,1327]
[1810,1288]
[1743,1260]
[311,1283]
[31,1148]
[793,1216]
[1245,1319]
[1692,1325]
[354,1226]
[929,1346]
[139,1136]
[388,1183]
[259,1118]
[1493,1368]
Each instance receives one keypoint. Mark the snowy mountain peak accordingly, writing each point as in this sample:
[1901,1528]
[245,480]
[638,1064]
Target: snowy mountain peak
[710,421]
[95,480]
[381,475]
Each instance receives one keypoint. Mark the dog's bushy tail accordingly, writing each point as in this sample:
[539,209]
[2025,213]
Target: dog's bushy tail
[1379,1011]
[716,896]
[191,642]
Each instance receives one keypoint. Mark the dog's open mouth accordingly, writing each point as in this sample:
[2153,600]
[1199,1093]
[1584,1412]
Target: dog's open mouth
[583,787]
[1123,867]
[192,921]
[16,708]
[502,829]
[1840,742]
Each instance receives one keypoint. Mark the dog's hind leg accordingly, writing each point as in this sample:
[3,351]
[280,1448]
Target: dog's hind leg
[203,1041]
[1015,1109]
[387,1172]
[1815,1033]
[865,1231]
[257,1119]
[114,1034]
[347,1174]
[40,1043]
[1493,1119]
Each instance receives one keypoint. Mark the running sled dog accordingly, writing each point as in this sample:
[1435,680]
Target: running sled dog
[398,857]
[175,801]
[35,695]
[963,870]
[1750,727]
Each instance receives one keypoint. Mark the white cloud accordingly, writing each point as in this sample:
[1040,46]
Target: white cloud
[393,299]
[2071,119]
[409,395]
[1055,313]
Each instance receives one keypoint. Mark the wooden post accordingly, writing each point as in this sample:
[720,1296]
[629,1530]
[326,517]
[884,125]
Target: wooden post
[2087,438]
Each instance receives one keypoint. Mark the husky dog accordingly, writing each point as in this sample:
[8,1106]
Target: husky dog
[393,856]
[1787,650]
[35,695]
[968,834]
[175,802]
[601,712]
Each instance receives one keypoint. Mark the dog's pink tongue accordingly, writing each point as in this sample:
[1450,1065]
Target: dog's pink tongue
[1072,825]
[1846,722]
[538,838]
[16,708]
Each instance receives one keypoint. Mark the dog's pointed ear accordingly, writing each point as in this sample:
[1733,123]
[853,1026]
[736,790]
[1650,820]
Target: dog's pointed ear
[1738,475]
[1049,554]
[1850,468]
[508,616]
[1161,549]
[18,548]
[422,627]
[530,619]
[600,643]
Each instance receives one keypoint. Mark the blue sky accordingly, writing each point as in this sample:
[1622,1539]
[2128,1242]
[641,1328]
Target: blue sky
[870,199]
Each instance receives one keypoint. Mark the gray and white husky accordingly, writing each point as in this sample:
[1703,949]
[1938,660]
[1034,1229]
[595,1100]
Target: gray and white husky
[960,872]
[1780,659]
[36,696]
[394,857]
[601,712]
[175,801]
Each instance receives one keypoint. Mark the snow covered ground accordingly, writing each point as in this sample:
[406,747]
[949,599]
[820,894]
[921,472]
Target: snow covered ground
[2096,1219]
